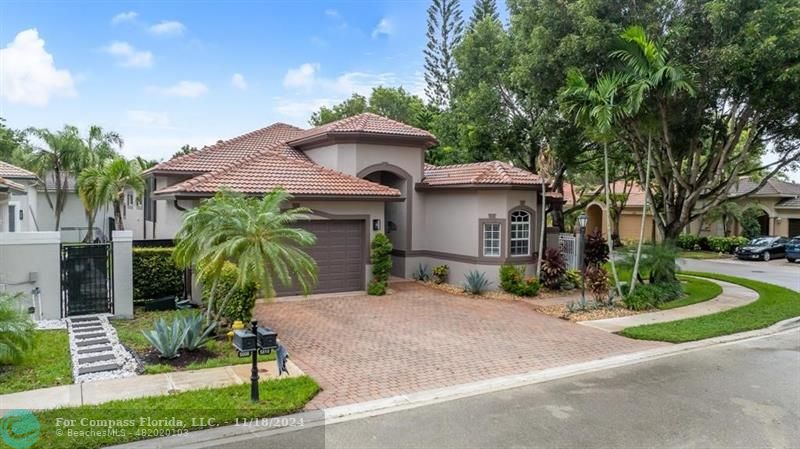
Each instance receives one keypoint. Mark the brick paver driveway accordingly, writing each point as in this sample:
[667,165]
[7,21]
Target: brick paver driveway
[363,347]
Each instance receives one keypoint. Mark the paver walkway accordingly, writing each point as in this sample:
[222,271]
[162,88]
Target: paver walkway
[732,296]
[140,386]
[363,347]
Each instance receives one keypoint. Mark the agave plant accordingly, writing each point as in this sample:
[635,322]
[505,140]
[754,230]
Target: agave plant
[167,339]
[476,282]
[197,335]
[16,331]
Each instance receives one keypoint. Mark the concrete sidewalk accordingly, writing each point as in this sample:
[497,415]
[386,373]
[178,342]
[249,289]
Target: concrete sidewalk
[732,296]
[140,386]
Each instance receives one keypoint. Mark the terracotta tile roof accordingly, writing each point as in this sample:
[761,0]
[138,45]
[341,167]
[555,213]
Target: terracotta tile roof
[773,187]
[12,171]
[268,170]
[789,203]
[11,184]
[494,172]
[233,150]
[365,123]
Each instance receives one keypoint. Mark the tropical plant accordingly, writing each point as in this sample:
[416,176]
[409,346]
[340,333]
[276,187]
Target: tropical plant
[553,268]
[476,282]
[440,274]
[597,282]
[197,334]
[596,249]
[381,258]
[98,148]
[165,338]
[545,167]
[572,279]
[16,330]
[513,280]
[253,233]
[649,296]
[422,273]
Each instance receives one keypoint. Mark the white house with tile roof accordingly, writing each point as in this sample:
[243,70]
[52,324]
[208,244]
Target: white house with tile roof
[360,176]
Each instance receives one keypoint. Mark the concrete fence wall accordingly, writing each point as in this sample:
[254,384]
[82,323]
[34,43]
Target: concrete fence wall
[32,260]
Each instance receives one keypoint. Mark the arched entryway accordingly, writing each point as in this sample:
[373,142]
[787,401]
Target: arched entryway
[763,222]
[594,213]
[397,214]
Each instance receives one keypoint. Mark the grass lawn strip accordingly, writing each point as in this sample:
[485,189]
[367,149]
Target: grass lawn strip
[130,335]
[700,255]
[47,365]
[120,422]
[774,304]
[696,290]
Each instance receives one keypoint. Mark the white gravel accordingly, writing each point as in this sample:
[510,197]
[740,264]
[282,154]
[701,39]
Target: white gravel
[122,357]
[50,324]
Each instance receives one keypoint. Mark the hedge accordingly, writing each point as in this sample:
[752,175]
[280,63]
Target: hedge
[155,274]
[240,305]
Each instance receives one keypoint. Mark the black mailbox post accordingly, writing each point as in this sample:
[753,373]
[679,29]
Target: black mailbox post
[252,342]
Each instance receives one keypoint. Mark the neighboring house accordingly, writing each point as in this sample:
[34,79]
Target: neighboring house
[779,202]
[360,176]
[31,209]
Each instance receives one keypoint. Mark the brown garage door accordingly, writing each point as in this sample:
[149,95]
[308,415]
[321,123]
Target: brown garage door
[340,255]
[794,227]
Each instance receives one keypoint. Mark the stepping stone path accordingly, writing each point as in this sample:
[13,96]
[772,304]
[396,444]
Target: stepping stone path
[96,351]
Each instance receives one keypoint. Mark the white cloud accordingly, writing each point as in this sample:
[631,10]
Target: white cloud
[128,56]
[148,118]
[28,74]
[330,12]
[301,77]
[128,16]
[384,28]
[167,28]
[187,89]
[238,81]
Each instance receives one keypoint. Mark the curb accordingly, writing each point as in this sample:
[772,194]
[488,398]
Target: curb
[210,438]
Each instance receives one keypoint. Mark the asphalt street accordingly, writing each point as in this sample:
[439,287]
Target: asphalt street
[745,394]
[777,271]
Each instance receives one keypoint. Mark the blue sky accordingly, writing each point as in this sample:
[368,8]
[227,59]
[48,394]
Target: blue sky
[168,73]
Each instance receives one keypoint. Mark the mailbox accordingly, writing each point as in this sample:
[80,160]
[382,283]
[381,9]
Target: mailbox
[267,338]
[244,341]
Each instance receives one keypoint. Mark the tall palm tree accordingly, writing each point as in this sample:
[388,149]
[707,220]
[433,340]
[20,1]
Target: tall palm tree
[98,149]
[545,165]
[100,185]
[599,109]
[62,152]
[253,233]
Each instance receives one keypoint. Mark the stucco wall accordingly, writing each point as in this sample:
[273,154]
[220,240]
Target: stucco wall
[29,260]
[72,216]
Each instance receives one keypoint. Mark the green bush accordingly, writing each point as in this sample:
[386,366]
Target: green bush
[239,305]
[572,279]
[726,244]
[381,258]
[688,242]
[155,274]
[512,280]
[440,274]
[648,296]
[596,250]
[553,269]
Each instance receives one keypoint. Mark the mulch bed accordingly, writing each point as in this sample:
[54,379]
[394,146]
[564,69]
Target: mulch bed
[560,311]
[497,294]
[186,358]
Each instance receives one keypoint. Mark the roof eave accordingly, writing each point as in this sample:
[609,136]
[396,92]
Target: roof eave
[308,197]
[422,186]
[333,137]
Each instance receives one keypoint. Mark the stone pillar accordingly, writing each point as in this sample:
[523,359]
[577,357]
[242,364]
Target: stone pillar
[551,238]
[122,247]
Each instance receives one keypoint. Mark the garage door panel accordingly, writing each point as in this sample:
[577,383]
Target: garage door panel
[340,255]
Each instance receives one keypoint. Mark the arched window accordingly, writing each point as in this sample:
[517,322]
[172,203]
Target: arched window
[520,243]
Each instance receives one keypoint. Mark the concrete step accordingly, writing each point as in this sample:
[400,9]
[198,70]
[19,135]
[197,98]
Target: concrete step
[86,327]
[84,319]
[96,358]
[98,341]
[89,336]
[94,350]
[97,368]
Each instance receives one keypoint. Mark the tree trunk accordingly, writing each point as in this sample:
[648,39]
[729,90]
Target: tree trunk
[118,215]
[615,228]
[59,199]
[542,232]
[608,223]
[635,274]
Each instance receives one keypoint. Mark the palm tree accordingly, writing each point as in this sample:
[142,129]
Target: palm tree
[62,152]
[544,164]
[98,149]
[255,234]
[599,109]
[16,331]
[99,185]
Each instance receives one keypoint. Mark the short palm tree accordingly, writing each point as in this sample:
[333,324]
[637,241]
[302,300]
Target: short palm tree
[99,185]
[16,331]
[255,234]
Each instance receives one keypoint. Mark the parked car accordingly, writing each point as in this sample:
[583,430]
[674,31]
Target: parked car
[763,248]
[793,249]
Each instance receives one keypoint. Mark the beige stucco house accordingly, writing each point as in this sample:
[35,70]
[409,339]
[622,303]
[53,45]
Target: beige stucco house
[360,176]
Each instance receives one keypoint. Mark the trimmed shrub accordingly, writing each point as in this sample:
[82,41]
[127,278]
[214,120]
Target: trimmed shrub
[155,274]
[381,258]
[648,296]
[688,242]
[241,302]
[596,250]
[726,244]
[513,280]
[553,269]
[440,274]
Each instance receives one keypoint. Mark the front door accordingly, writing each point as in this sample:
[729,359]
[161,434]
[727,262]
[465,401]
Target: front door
[12,218]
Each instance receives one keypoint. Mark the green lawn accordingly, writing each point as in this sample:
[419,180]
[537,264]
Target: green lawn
[47,365]
[137,419]
[773,304]
[701,255]
[130,334]
[696,290]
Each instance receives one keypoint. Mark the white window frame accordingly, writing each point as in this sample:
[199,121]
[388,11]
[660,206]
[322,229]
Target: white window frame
[499,239]
[512,239]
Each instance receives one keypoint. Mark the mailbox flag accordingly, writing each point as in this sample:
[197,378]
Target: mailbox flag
[280,358]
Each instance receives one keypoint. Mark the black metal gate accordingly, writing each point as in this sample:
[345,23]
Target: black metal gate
[87,279]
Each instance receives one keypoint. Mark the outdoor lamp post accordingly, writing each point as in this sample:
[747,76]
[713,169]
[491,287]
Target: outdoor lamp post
[582,219]
[252,342]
